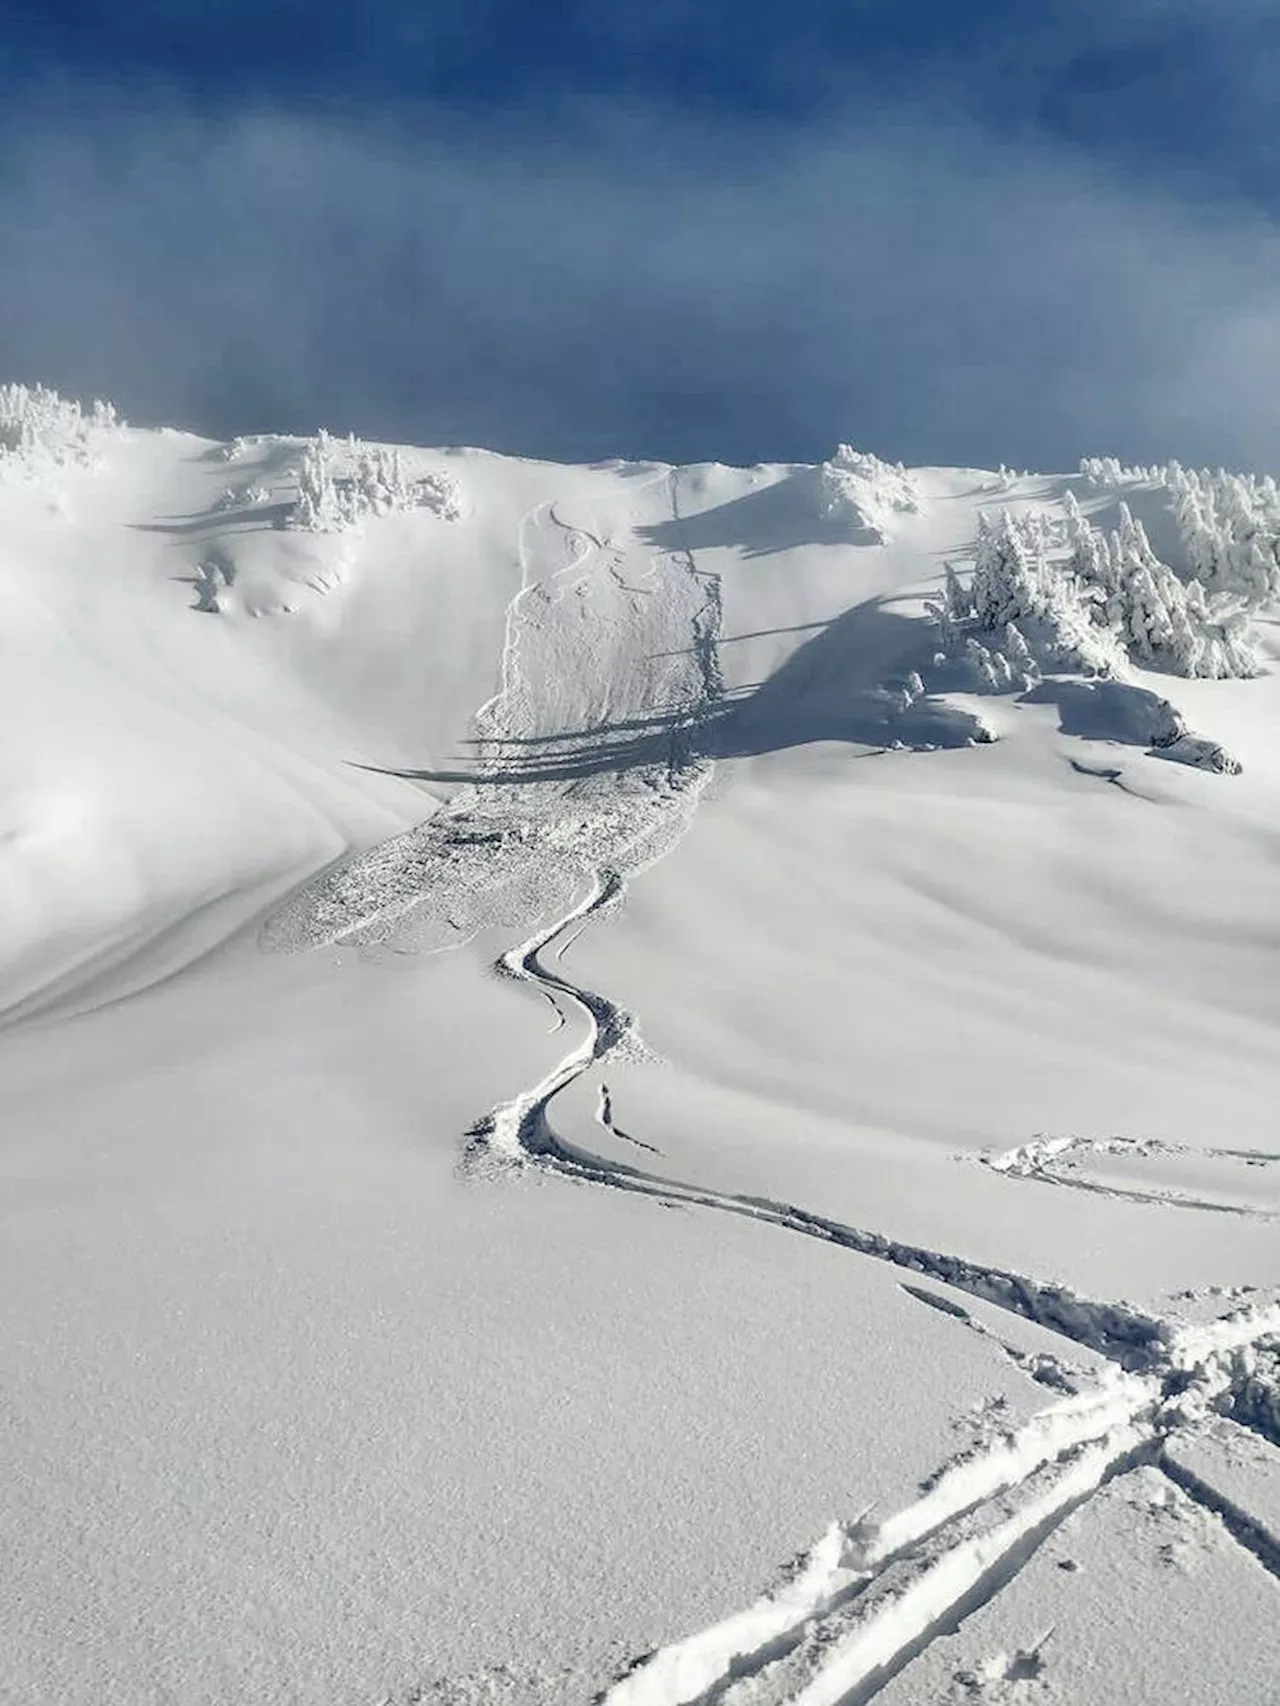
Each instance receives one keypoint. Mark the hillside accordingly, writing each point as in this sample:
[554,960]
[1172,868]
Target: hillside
[635,1083]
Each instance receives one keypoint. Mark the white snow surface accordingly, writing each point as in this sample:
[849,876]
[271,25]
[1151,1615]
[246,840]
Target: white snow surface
[584,1121]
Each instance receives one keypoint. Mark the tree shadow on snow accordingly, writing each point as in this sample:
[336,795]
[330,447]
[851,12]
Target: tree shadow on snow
[847,684]
[1107,710]
[251,518]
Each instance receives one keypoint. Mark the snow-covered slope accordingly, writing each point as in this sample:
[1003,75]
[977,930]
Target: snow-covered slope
[575,1034]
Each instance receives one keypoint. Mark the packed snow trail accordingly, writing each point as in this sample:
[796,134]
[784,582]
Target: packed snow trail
[851,1558]
[520,1130]
[934,1562]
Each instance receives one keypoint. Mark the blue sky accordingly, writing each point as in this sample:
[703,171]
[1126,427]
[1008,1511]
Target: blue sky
[1009,230]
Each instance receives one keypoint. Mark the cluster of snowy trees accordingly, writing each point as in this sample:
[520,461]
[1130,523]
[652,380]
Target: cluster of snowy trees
[1068,596]
[1230,529]
[857,487]
[243,497]
[36,424]
[1111,473]
[342,482]
[1229,524]
[1160,619]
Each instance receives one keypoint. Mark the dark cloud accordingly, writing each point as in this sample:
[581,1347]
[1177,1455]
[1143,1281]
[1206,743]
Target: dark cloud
[1144,88]
[630,283]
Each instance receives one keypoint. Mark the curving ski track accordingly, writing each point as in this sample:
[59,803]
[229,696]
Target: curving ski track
[869,1598]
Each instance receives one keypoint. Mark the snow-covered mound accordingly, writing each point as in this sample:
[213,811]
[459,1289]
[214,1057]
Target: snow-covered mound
[420,869]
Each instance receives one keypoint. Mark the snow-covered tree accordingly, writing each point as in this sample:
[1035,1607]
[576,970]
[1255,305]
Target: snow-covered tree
[1070,597]
[37,425]
[856,487]
[340,484]
[1170,623]
[319,508]
[1230,530]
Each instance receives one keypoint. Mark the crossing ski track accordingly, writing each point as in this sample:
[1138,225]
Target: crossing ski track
[868,1598]
[825,1637]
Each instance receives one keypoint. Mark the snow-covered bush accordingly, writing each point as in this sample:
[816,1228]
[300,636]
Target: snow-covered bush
[211,577]
[341,482]
[1108,471]
[37,425]
[1002,479]
[858,488]
[242,497]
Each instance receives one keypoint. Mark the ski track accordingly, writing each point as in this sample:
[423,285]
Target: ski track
[867,1598]
[1168,1376]
[1245,1529]
[1052,1161]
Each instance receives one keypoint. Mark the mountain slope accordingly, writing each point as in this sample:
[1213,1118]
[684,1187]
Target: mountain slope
[902,1017]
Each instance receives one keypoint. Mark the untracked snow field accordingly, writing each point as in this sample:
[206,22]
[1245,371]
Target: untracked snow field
[634,1086]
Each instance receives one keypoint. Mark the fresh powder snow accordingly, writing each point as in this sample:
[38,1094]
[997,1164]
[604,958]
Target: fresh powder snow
[635,1085]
